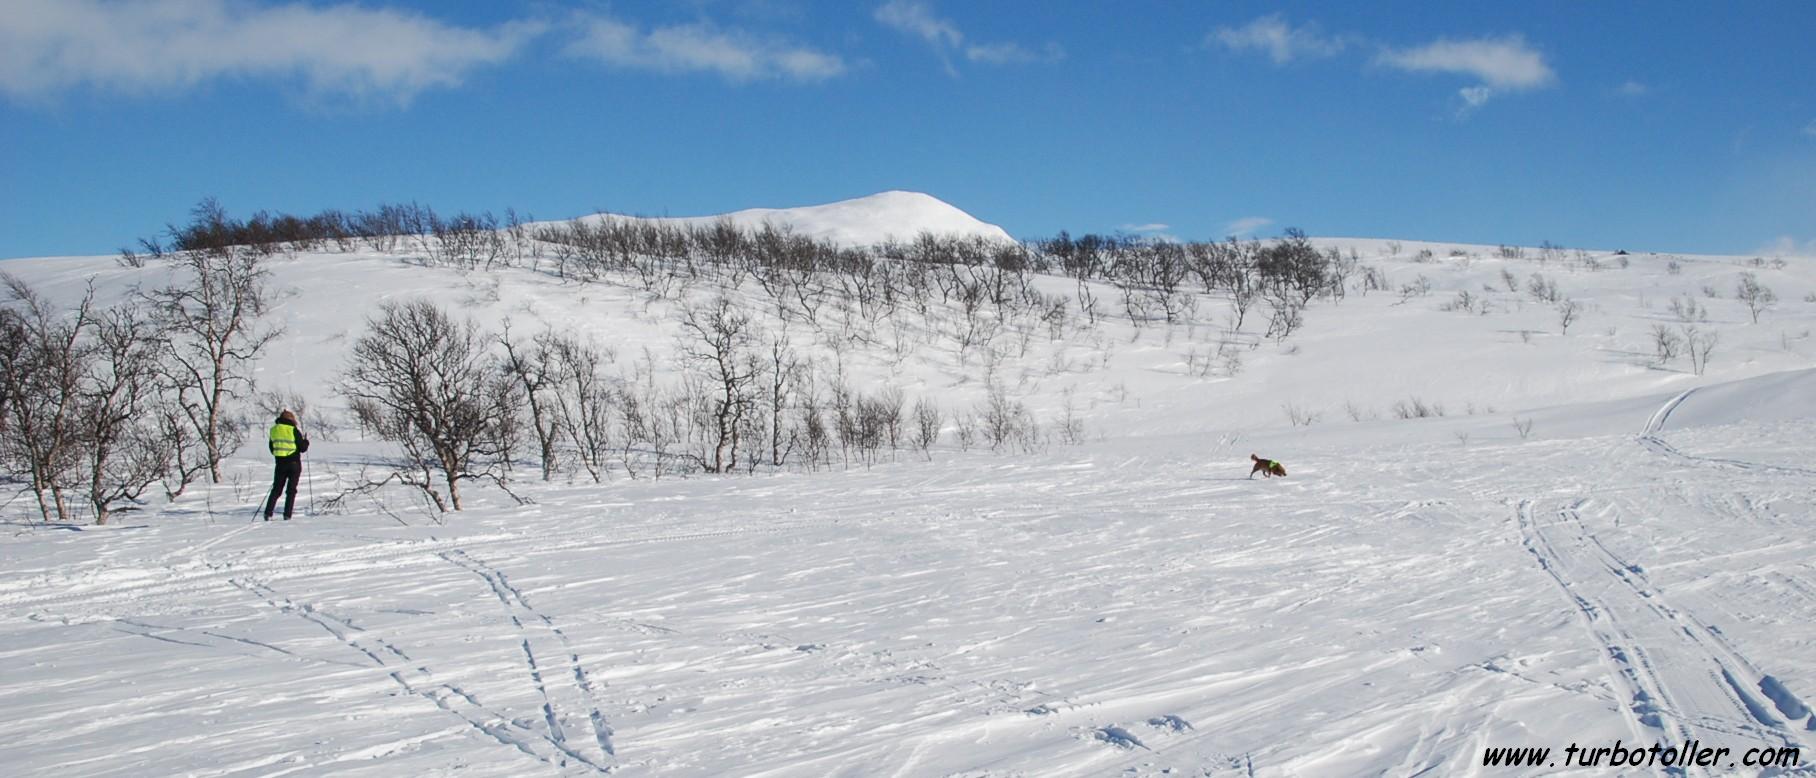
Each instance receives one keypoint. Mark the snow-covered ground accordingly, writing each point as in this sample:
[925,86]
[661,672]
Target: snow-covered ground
[1639,565]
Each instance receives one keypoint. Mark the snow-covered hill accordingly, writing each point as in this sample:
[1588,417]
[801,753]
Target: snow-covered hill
[1589,544]
[865,221]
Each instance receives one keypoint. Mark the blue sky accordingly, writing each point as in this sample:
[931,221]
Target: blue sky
[1665,126]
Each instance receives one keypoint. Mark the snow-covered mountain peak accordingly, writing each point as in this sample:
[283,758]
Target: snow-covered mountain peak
[864,221]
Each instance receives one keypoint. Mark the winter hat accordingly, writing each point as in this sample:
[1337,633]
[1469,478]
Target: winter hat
[286,415]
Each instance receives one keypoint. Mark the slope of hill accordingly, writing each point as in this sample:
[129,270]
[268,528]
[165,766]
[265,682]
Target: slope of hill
[1577,541]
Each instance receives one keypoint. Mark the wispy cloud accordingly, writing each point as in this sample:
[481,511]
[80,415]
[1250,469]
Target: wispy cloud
[735,55]
[918,19]
[1505,64]
[1014,54]
[1282,42]
[51,46]
[1246,226]
[1150,227]
[1809,130]
[1631,88]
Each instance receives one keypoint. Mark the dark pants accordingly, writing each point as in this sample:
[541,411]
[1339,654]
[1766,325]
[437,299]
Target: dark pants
[289,470]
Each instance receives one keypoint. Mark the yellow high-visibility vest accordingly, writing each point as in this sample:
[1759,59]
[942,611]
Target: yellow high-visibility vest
[283,440]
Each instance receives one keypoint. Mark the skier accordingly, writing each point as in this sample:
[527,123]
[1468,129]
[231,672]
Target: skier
[287,444]
[1268,468]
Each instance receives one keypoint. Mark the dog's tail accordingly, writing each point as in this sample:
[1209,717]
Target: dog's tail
[1255,458]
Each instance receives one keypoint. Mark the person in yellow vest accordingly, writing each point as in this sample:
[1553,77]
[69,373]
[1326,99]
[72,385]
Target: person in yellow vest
[287,444]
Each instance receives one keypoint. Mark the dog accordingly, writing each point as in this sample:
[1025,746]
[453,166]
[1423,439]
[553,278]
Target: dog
[1268,468]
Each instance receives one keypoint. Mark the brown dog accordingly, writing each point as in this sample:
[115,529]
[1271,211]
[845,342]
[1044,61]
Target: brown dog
[1268,468]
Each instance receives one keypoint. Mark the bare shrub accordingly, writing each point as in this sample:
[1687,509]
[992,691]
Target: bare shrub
[1069,427]
[1299,415]
[1686,310]
[927,423]
[1665,344]
[1416,408]
[1542,289]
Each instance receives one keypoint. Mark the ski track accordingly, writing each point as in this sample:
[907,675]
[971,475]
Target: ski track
[581,695]
[1681,676]
[547,748]
[1649,437]
[200,573]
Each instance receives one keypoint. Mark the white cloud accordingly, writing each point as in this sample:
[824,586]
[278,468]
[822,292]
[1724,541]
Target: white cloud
[917,18]
[1632,88]
[50,46]
[700,48]
[1502,63]
[1810,129]
[1282,42]
[1013,53]
[1246,226]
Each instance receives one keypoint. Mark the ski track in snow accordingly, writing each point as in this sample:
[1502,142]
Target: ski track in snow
[581,696]
[1083,614]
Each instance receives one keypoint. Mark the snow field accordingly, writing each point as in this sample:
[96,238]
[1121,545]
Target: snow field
[1636,565]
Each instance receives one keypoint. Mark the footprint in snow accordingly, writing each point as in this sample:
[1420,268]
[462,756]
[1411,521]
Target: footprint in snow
[1171,722]
[1119,737]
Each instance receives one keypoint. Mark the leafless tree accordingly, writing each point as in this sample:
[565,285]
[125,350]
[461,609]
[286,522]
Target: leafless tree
[1070,427]
[814,435]
[1665,343]
[214,322]
[784,371]
[42,361]
[585,399]
[718,337]
[927,423]
[1002,420]
[534,368]
[1568,311]
[122,455]
[1543,289]
[423,381]
[77,390]
[1287,313]
[1757,297]
[1700,345]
